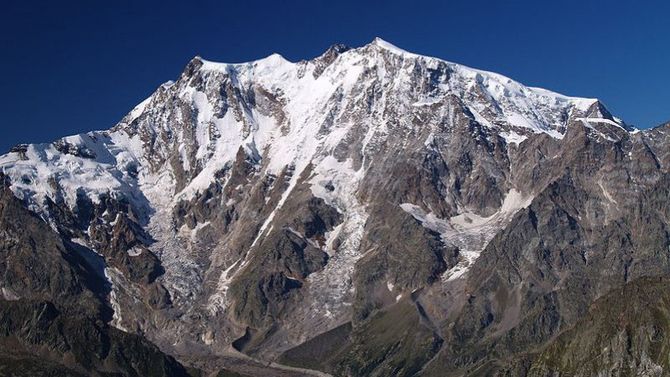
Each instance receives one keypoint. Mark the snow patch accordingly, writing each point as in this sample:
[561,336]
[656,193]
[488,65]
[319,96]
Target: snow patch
[113,276]
[135,251]
[336,277]
[587,123]
[601,120]
[512,137]
[469,231]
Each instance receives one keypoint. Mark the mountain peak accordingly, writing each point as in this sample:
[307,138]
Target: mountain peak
[378,42]
[272,60]
[336,49]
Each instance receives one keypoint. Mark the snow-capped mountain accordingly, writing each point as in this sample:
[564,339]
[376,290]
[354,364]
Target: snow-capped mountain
[277,110]
[260,205]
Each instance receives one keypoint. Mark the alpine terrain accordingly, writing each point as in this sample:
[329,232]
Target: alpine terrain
[369,212]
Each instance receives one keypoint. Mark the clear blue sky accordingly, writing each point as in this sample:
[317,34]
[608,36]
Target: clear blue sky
[73,66]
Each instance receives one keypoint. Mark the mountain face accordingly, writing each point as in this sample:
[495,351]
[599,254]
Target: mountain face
[367,212]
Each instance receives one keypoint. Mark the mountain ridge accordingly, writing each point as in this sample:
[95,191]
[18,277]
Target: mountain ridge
[255,206]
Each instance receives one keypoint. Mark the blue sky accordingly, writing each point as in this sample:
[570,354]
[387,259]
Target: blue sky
[73,66]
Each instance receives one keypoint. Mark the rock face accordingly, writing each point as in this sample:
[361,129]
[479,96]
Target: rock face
[53,311]
[367,212]
[624,332]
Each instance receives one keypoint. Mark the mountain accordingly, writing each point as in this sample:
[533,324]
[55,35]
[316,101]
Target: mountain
[367,212]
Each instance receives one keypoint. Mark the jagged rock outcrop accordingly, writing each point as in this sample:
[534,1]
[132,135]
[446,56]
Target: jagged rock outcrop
[53,307]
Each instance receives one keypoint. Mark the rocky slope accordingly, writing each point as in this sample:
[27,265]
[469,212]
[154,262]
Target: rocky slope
[53,312]
[624,333]
[367,212]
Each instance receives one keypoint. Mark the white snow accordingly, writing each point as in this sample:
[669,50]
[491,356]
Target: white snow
[217,302]
[138,110]
[512,137]
[601,120]
[135,251]
[31,177]
[587,123]
[113,276]
[390,47]
[469,231]
[427,102]
[336,277]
